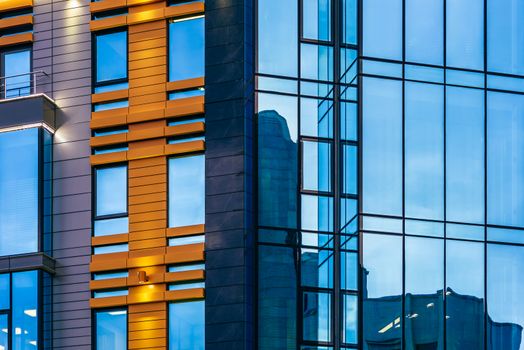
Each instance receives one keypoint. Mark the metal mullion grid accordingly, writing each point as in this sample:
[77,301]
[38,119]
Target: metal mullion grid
[485,319]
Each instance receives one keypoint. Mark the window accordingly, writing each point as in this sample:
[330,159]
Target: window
[186,191]
[186,326]
[111,61]
[111,329]
[382,28]
[16,66]
[186,48]
[424,31]
[111,200]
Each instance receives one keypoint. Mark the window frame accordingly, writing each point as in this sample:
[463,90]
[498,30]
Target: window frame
[94,77]
[12,50]
[94,324]
[169,320]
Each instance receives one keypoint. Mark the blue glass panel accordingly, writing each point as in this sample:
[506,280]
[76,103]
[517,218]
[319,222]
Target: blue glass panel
[183,268]
[178,241]
[316,267]
[111,105]
[114,248]
[316,117]
[4,332]
[465,34]
[382,28]
[350,183]
[110,275]
[186,191]
[111,149]
[186,49]
[317,213]
[277,37]
[24,329]
[5,291]
[348,271]
[505,83]
[505,283]
[186,94]
[350,319]
[316,164]
[16,65]
[316,19]
[186,326]
[348,66]
[110,293]
[112,87]
[422,73]
[277,85]
[505,235]
[469,232]
[316,316]
[464,155]
[348,217]
[19,191]
[424,228]
[424,31]
[382,146]
[111,190]
[319,240]
[464,78]
[316,62]
[183,286]
[111,226]
[505,159]
[111,330]
[505,36]
[348,121]
[424,151]
[111,56]
[349,21]
[382,68]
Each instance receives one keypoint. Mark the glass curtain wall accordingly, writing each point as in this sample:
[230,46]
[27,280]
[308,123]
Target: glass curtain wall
[442,169]
[307,103]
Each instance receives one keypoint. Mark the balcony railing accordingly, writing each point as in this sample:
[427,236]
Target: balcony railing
[20,85]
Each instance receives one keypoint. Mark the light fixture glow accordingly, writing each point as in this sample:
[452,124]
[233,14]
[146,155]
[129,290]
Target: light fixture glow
[117,313]
[142,277]
[18,330]
[30,312]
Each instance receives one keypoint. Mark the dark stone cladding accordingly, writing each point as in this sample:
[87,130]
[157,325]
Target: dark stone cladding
[229,175]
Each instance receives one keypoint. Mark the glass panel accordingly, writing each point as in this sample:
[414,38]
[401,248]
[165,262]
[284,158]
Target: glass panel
[505,159]
[19,191]
[350,330]
[424,151]
[316,166]
[464,295]
[316,19]
[465,232]
[16,65]
[348,69]
[186,49]
[277,298]
[424,228]
[186,191]
[317,213]
[109,275]
[5,291]
[316,313]
[349,21]
[111,56]
[505,235]
[111,190]
[422,73]
[114,248]
[24,310]
[111,226]
[277,85]
[505,36]
[110,293]
[382,28]
[348,121]
[186,326]
[277,37]
[350,183]
[424,31]
[111,105]
[382,268]
[316,62]
[348,216]
[464,155]
[465,34]
[111,330]
[316,117]
[382,146]
[4,332]
[348,271]
[277,160]
[504,296]
[316,267]
[424,300]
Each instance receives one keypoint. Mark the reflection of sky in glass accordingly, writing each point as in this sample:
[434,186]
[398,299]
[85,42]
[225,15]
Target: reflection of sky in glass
[3,335]
[424,265]
[285,106]
[186,49]
[316,62]
[350,319]
[465,267]
[186,326]
[317,213]
[316,316]
[16,63]
[317,19]
[111,56]
[24,310]
[316,117]
[111,330]
[382,28]
[317,166]
[382,256]
[111,190]
[424,31]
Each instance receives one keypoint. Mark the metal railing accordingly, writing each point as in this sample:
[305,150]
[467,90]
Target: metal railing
[20,85]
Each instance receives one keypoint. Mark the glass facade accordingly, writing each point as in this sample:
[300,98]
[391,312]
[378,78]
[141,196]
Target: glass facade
[110,216]
[390,174]
[186,325]
[186,48]
[111,329]
[110,60]
[16,66]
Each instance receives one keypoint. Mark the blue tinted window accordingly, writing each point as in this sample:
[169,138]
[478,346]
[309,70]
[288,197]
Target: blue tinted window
[349,21]
[186,326]
[316,311]
[505,159]
[317,213]
[382,146]
[4,335]
[111,330]
[316,62]
[350,182]
[316,117]
[424,151]
[24,310]
[316,267]
[505,36]
[19,191]
[316,166]
[186,191]
[111,226]
[350,319]
[186,49]
[111,56]
[424,31]
[4,291]
[277,37]
[111,190]
[382,28]
[316,19]
[16,65]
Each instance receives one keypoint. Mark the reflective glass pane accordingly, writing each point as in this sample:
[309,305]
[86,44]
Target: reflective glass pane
[505,36]
[111,330]
[464,295]
[316,316]
[505,283]
[348,121]
[465,34]
[16,65]
[350,319]
[464,155]
[316,267]
[277,37]
[382,28]
[423,292]
[382,146]
[111,56]
[424,151]
[316,19]
[348,270]
[186,326]
[277,160]
[349,21]
[316,164]
[25,310]
[5,290]
[505,159]
[111,190]
[316,117]
[19,191]
[111,226]
[277,298]
[316,62]
[348,216]
[424,31]
[382,264]
[317,213]
[186,191]
[186,49]
[350,183]
[4,332]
